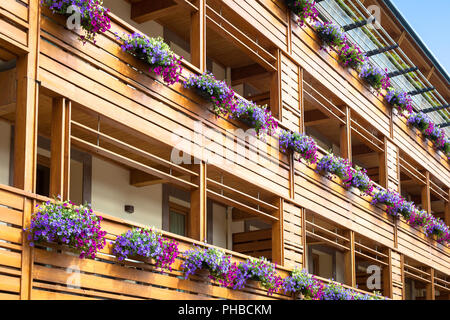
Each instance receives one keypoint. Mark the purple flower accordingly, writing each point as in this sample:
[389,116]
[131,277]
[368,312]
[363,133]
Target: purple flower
[296,142]
[304,9]
[156,53]
[147,244]
[375,77]
[65,224]
[400,100]
[94,17]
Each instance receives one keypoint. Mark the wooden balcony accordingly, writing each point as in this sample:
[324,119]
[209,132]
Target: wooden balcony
[105,82]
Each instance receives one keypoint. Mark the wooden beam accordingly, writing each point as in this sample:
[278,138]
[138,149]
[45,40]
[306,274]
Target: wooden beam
[8,85]
[60,148]
[142,179]
[426,198]
[7,109]
[275,89]
[25,138]
[346,136]
[246,73]
[430,289]
[350,264]
[447,210]
[198,35]
[401,38]
[383,167]
[430,74]
[301,99]
[387,275]
[198,215]
[277,237]
[150,10]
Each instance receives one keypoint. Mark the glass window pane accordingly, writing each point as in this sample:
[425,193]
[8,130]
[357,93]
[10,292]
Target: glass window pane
[177,223]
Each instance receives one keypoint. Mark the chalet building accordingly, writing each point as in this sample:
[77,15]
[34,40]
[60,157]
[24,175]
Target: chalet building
[92,121]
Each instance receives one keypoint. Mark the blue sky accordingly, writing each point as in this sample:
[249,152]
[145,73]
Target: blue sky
[431,21]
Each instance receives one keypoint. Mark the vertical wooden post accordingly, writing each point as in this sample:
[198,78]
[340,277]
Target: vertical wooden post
[198,214]
[25,143]
[447,210]
[350,263]
[277,236]
[291,176]
[346,136]
[402,269]
[303,234]
[387,275]
[276,105]
[383,167]
[198,35]
[301,99]
[60,148]
[426,199]
[430,290]
[289,31]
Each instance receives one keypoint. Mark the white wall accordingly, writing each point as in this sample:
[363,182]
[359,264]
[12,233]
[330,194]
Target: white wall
[5,141]
[111,191]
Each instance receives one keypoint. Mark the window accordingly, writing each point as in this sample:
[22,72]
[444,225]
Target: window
[178,219]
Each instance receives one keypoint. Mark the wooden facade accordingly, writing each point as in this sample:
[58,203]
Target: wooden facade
[103,101]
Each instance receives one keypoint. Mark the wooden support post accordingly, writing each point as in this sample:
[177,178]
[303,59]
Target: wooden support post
[346,136]
[276,104]
[383,166]
[303,234]
[277,237]
[350,263]
[387,275]
[291,176]
[430,290]
[25,143]
[301,99]
[198,214]
[447,210]
[426,199]
[60,148]
[198,35]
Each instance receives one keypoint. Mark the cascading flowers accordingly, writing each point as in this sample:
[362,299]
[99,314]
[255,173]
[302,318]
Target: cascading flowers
[350,55]
[335,291]
[420,121]
[304,9]
[67,224]
[259,118]
[392,199]
[263,271]
[330,35]
[146,244]
[213,90]
[300,281]
[93,16]
[437,228]
[400,100]
[218,264]
[361,181]
[156,53]
[375,77]
[430,131]
[296,142]
[331,165]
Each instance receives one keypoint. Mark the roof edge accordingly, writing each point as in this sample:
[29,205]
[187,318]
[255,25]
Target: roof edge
[417,38]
